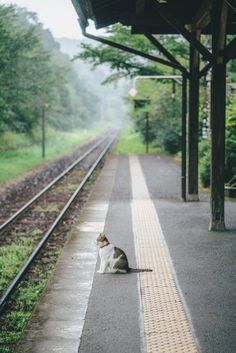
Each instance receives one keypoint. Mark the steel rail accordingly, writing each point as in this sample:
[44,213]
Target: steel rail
[11,219]
[44,240]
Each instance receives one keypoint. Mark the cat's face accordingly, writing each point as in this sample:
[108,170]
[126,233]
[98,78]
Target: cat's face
[101,240]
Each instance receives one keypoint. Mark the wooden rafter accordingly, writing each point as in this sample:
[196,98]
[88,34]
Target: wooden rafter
[203,16]
[131,50]
[205,69]
[231,50]
[165,52]
[180,28]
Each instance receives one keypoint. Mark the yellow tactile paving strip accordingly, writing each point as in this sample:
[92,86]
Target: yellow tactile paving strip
[166,326]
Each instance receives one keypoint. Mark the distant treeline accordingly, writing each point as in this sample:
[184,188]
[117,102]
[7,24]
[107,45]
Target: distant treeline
[35,76]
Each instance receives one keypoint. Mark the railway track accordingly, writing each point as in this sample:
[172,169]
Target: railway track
[43,214]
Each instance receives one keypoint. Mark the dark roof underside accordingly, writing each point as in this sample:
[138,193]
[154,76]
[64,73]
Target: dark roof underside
[144,15]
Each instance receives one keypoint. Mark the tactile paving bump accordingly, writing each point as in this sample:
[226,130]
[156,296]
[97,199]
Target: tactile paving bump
[166,325]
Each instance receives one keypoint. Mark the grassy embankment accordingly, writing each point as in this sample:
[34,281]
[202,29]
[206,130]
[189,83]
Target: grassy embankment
[18,154]
[130,142]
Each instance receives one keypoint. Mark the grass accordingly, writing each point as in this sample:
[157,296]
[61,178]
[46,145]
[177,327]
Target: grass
[14,322]
[130,142]
[13,255]
[47,208]
[11,140]
[22,303]
[16,162]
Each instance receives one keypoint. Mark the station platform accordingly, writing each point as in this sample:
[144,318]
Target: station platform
[186,304]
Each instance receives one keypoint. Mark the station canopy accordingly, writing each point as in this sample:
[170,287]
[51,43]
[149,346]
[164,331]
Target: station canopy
[153,16]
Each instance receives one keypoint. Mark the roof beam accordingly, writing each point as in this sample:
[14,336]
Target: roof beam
[231,4]
[180,28]
[203,16]
[131,50]
[230,52]
[205,69]
[164,51]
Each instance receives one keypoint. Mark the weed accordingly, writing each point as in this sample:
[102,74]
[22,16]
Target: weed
[17,320]
[46,208]
[11,257]
[36,232]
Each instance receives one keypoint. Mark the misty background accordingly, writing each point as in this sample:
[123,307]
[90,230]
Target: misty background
[111,106]
[40,78]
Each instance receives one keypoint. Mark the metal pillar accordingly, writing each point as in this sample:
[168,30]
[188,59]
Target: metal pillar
[218,93]
[193,124]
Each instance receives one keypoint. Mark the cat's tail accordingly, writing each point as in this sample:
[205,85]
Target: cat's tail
[139,270]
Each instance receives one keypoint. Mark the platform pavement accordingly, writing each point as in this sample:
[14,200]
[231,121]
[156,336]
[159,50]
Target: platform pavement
[204,267]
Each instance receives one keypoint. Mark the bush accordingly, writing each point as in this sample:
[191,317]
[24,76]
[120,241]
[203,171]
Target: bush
[164,121]
[230,143]
[205,162]
[230,150]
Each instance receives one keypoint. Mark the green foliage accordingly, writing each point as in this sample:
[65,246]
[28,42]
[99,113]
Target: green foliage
[125,64]
[25,72]
[167,121]
[15,162]
[28,296]
[205,162]
[131,142]
[230,145]
[11,256]
[17,320]
[8,338]
[164,116]
[230,150]
[35,74]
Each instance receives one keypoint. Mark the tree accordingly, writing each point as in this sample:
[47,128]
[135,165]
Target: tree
[33,72]
[164,114]
[26,77]
[125,64]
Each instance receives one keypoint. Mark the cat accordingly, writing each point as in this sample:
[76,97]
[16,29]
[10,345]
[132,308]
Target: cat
[113,259]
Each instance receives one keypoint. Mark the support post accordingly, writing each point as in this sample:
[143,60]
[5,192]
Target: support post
[183,137]
[218,93]
[193,123]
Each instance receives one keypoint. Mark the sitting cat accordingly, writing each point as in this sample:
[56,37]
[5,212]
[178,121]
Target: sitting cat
[113,259]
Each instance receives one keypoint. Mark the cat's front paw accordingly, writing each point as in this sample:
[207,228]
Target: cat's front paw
[99,271]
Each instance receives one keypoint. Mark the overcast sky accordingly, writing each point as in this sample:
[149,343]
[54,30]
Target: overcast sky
[57,15]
